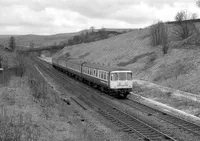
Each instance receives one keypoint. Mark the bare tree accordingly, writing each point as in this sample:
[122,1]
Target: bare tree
[194,16]
[31,45]
[103,33]
[181,16]
[12,44]
[92,29]
[158,33]
[184,27]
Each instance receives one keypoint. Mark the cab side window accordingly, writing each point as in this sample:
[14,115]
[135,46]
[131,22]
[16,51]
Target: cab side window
[114,77]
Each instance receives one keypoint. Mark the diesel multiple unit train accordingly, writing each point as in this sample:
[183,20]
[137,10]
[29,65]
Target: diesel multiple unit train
[114,81]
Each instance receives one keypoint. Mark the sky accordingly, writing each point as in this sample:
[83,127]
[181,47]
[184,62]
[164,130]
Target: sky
[46,17]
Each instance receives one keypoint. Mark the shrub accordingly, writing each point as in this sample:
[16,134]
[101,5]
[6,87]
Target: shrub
[17,127]
[35,81]
[12,43]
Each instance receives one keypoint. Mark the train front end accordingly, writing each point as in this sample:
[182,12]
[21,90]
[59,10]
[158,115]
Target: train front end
[121,82]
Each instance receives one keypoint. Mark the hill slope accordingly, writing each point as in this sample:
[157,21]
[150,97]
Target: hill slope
[38,40]
[112,50]
[46,40]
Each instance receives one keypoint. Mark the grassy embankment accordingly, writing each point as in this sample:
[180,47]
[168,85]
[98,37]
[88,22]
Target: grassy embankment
[30,108]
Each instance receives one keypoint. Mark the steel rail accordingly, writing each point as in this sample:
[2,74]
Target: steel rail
[182,123]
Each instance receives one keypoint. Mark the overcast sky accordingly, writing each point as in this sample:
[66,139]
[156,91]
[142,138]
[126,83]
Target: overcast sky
[63,16]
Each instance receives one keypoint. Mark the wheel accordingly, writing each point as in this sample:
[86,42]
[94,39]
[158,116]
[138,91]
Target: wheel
[102,89]
[125,95]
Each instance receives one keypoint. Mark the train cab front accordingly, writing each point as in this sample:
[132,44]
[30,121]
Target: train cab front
[121,82]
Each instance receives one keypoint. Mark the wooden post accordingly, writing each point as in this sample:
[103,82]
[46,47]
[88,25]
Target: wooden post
[1,58]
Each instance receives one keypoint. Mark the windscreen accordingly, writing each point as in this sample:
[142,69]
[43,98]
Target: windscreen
[129,76]
[114,76]
[122,76]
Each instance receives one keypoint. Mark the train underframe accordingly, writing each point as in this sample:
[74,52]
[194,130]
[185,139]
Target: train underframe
[118,93]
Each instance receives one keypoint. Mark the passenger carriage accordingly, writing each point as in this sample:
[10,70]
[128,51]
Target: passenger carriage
[115,81]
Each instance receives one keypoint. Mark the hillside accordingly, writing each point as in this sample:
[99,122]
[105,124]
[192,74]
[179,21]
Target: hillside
[46,40]
[178,69]
[38,40]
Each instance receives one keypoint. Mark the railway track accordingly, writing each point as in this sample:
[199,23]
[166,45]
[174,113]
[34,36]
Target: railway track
[177,121]
[181,123]
[128,123]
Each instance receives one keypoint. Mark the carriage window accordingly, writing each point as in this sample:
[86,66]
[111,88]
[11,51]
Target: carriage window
[122,76]
[90,71]
[86,69]
[104,75]
[83,69]
[94,72]
[114,76]
[129,76]
[99,74]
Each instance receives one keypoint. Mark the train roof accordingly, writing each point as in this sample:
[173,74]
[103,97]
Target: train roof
[106,68]
[75,61]
[93,65]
